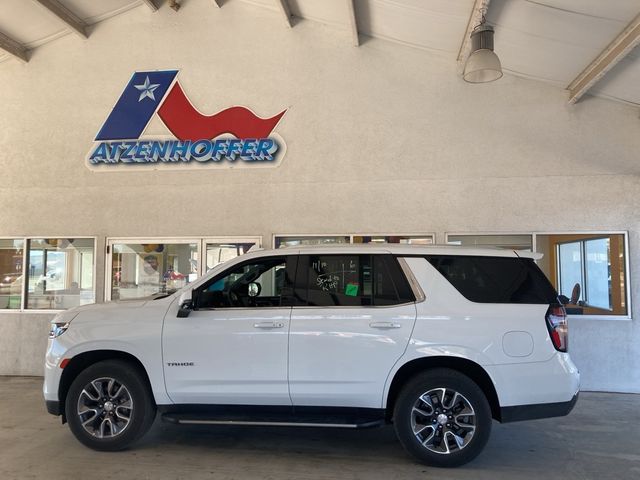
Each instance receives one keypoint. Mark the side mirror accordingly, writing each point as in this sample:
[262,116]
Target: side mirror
[185,309]
[188,301]
[253,289]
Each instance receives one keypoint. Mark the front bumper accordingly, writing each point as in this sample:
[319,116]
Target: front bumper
[518,413]
[53,407]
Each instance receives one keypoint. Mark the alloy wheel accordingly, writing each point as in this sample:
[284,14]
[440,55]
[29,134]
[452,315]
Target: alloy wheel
[443,420]
[105,407]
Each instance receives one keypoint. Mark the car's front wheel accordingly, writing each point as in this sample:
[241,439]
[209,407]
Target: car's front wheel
[109,405]
[442,418]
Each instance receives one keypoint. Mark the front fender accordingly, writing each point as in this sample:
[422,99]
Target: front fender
[143,342]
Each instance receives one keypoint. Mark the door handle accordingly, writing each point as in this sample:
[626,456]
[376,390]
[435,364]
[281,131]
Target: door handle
[268,325]
[384,325]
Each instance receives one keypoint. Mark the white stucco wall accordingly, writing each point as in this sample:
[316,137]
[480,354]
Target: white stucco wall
[23,343]
[380,138]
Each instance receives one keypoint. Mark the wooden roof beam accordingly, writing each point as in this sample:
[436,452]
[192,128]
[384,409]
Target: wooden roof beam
[13,48]
[353,22]
[626,41]
[152,6]
[479,10]
[70,19]
[283,8]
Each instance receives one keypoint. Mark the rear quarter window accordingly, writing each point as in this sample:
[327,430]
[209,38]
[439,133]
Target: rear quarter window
[495,279]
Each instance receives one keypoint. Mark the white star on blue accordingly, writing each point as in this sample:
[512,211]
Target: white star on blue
[147,89]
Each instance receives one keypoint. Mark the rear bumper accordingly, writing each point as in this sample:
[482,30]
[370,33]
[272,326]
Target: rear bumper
[533,383]
[518,413]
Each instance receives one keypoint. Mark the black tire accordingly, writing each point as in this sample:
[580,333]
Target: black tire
[106,429]
[422,435]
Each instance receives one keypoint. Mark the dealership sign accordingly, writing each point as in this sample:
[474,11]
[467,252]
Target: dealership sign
[232,136]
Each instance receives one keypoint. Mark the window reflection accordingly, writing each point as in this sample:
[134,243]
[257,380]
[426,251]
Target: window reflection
[510,242]
[298,240]
[588,270]
[60,273]
[140,270]
[11,256]
[402,239]
[218,253]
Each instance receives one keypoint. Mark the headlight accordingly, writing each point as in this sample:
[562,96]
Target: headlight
[60,323]
[58,329]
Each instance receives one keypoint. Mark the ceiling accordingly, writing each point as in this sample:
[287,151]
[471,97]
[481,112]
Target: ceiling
[548,40]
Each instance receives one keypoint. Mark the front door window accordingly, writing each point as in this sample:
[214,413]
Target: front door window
[259,283]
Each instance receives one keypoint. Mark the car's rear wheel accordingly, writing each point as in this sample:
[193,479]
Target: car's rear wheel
[442,418]
[109,405]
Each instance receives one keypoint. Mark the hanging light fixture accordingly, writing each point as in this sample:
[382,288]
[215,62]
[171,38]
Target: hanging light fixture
[482,65]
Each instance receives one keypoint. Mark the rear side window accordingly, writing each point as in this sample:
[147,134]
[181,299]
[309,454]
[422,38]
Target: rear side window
[389,283]
[351,280]
[495,279]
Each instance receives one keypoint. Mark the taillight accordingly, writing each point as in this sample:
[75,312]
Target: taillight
[558,328]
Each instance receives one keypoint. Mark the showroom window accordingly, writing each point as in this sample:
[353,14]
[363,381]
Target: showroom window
[46,273]
[219,250]
[11,264]
[280,241]
[141,268]
[60,273]
[298,240]
[151,267]
[589,270]
[402,239]
[511,242]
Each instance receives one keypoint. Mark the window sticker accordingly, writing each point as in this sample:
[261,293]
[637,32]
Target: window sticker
[351,289]
[328,282]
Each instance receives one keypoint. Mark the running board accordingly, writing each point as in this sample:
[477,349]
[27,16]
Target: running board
[349,419]
[183,421]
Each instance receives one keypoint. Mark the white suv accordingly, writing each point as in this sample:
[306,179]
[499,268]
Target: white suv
[436,340]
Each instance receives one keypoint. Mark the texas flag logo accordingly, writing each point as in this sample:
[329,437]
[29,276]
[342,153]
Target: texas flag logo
[232,136]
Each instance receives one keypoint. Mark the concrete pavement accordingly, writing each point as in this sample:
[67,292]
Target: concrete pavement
[599,440]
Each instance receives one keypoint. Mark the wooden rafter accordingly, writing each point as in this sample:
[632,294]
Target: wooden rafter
[608,58]
[353,22]
[69,18]
[283,7]
[152,6]
[13,48]
[479,10]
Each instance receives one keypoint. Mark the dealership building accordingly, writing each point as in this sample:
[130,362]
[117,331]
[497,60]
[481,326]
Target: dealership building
[142,145]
